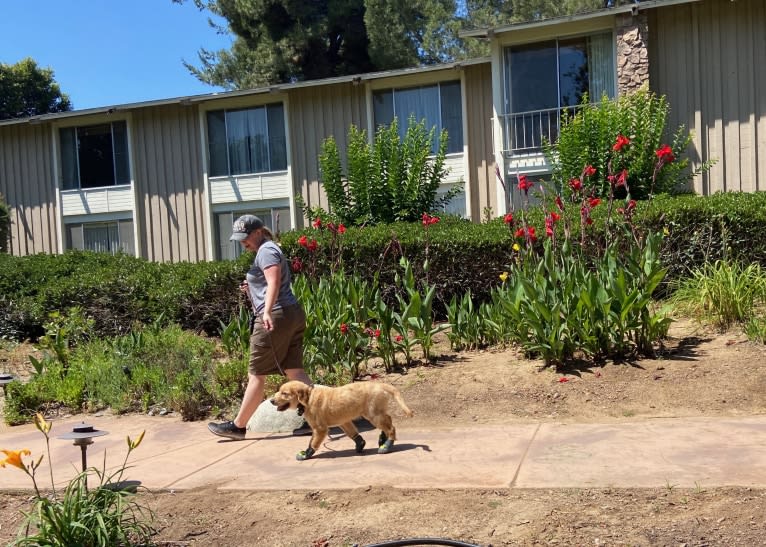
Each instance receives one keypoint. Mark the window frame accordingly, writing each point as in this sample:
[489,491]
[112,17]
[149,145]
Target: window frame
[71,155]
[453,147]
[271,113]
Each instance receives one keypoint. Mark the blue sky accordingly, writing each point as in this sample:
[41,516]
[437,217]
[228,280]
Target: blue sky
[108,52]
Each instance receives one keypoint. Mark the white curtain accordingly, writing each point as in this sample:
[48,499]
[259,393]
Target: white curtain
[601,68]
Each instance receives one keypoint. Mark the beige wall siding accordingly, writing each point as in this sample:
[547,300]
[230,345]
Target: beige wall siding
[167,171]
[316,113]
[481,166]
[27,182]
[709,58]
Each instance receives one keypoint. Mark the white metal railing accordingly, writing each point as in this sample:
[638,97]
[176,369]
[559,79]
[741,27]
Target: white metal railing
[525,132]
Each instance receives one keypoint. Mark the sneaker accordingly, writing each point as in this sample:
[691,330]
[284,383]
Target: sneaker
[228,430]
[303,429]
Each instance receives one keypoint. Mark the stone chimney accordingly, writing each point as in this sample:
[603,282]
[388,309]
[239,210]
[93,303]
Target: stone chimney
[632,52]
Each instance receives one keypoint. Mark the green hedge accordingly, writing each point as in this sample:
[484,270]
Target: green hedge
[118,291]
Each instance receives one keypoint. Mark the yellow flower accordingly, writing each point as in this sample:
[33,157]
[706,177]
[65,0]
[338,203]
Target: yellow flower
[41,424]
[666,231]
[134,444]
[516,247]
[504,277]
[14,458]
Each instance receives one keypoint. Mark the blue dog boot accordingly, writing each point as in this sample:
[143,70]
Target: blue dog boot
[304,454]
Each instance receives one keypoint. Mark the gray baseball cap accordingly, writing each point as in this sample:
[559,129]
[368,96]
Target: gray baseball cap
[244,226]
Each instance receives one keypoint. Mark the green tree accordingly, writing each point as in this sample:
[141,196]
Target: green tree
[281,41]
[278,41]
[28,90]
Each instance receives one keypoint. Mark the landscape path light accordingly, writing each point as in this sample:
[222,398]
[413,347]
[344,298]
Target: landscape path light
[5,379]
[83,434]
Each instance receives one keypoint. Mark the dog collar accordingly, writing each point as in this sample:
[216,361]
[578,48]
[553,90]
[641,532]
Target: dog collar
[301,408]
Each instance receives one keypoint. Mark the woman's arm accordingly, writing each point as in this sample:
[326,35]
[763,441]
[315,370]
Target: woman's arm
[273,275]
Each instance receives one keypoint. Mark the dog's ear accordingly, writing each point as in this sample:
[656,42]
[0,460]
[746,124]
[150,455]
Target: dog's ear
[303,392]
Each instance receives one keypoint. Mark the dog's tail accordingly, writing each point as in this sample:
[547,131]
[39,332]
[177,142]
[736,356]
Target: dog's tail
[398,396]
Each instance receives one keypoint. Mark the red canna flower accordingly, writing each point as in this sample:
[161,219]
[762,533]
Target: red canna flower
[575,184]
[312,245]
[343,328]
[524,183]
[519,232]
[377,333]
[341,229]
[559,203]
[549,226]
[631,204]
[398,337]
[296,264]
[555,216]
[331,226]
[588,221]
[428,220]
[593,202]
[621,142]
[303,241]
[317,223]
[531,233]
[508,218]
[665,154]
[589,171]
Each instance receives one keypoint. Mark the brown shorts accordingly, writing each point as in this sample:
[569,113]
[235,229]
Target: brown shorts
[283,344]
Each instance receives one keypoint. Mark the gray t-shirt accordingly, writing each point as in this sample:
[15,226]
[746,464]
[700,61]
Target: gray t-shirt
[269,254]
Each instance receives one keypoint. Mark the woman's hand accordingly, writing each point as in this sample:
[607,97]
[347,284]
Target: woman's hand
[267,322]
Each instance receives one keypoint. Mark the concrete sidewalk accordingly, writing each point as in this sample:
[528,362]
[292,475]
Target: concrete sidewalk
[684,452]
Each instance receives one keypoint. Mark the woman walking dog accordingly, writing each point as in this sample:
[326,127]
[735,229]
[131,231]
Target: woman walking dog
[276,340]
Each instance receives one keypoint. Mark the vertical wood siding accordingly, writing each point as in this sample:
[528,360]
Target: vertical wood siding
[708,58]
[481,162]
[316,113]
[167,161]
[27,182]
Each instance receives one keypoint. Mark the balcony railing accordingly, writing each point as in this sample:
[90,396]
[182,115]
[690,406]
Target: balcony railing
[525,132]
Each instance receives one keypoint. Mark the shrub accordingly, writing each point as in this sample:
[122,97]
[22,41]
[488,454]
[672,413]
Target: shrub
[390,180]
[588,138]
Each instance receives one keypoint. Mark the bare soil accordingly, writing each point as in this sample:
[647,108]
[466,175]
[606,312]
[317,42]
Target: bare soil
[698,372]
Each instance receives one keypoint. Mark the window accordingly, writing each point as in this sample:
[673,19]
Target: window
[544,78]
[94,156]
[247,141]
[106,237]
[439,105]
[229,250]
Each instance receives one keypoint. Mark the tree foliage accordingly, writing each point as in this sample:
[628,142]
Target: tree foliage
[279,41]
[28,90]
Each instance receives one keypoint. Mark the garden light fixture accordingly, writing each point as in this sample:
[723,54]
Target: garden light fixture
[83,434]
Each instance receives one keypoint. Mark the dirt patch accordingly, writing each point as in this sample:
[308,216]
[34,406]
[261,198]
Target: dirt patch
[698,373]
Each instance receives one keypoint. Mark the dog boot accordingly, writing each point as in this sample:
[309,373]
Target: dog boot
[359,441]
[304,454]
[384,444]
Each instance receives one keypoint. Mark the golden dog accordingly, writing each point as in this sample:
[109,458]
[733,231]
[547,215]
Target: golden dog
[325,407]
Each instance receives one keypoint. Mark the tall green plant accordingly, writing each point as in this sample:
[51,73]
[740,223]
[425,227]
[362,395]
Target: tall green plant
[587,137]
[392,179]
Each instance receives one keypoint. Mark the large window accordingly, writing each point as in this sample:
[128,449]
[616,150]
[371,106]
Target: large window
[545,78]
[276,219]
[246,141]
[94,156]
[439,105]
[106,237]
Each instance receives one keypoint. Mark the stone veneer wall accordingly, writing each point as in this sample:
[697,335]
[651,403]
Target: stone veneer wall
[632,52]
